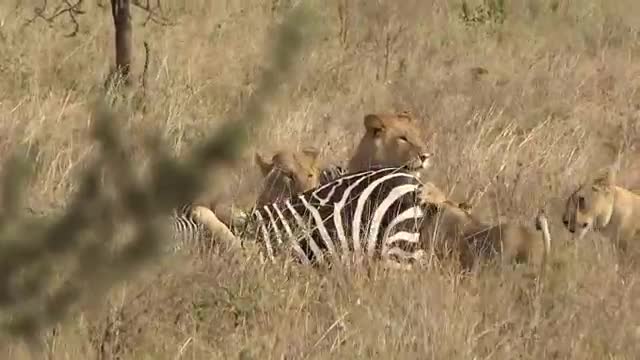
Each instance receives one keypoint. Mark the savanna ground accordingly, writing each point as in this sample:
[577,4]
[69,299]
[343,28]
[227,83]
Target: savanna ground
[558,100]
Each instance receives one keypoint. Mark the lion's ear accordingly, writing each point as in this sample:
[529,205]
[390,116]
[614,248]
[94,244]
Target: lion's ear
[606,178]
[373,123]
[264,165]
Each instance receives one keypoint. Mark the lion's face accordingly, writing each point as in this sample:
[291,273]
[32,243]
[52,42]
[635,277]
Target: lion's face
[288,173]
[391,140]
[590,206]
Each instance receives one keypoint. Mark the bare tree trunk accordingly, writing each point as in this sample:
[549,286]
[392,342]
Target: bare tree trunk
[121,12]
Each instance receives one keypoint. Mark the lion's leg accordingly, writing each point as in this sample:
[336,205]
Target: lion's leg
[229,214]
[218,229]
[418,258]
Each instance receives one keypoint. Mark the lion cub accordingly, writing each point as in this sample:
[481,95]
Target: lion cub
[475,240]
[602,206]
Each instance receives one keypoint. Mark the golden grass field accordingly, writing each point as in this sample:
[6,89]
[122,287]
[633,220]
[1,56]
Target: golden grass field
[559,100]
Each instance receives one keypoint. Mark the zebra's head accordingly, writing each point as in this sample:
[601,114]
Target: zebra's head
[288,173]
[391,140]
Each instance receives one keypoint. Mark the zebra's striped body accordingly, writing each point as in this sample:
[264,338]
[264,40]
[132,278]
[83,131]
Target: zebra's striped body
[185,230]
[369,214]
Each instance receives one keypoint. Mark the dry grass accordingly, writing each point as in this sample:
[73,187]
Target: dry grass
[559,100]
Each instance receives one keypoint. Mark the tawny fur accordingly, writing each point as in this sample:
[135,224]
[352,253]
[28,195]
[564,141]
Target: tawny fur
[512,241]
[220,232]
[288,173]
[285,174]
[602,206]
[391,140]
[474,240]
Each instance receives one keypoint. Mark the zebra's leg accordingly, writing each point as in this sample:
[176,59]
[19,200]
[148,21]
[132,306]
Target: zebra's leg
[218,229]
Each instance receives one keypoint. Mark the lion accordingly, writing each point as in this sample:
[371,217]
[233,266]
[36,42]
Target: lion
[513,241]
[391,140]
[284,174]
[288,173]
[601,205]
[473,239]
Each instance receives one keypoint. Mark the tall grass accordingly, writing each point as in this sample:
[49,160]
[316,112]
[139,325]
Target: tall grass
[521,104]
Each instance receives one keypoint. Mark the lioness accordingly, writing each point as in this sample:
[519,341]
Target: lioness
[602,206]
[285,174]
[474,239]
[288,173]
[390,140]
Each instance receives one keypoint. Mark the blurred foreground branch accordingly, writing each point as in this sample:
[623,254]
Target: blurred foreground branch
[49,264]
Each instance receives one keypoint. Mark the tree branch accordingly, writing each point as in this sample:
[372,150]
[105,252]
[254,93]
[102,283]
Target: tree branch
[68,8]
[154,13]
[72,8]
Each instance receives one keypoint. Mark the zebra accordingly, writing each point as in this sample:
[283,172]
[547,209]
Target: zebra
[330,173]
[185,229]
[327,174]
[371,214]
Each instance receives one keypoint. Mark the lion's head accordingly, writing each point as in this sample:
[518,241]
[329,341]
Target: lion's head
[591,205]
[288,173]
[391,140]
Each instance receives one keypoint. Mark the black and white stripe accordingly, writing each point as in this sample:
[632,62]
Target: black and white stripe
[331,173]
[186,230]
[368,214]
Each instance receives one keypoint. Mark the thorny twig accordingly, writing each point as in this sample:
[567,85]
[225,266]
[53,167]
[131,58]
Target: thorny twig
[152,15]
[67,7]
[72,8]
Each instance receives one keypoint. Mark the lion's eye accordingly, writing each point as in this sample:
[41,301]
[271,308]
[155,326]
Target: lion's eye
[403,138]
